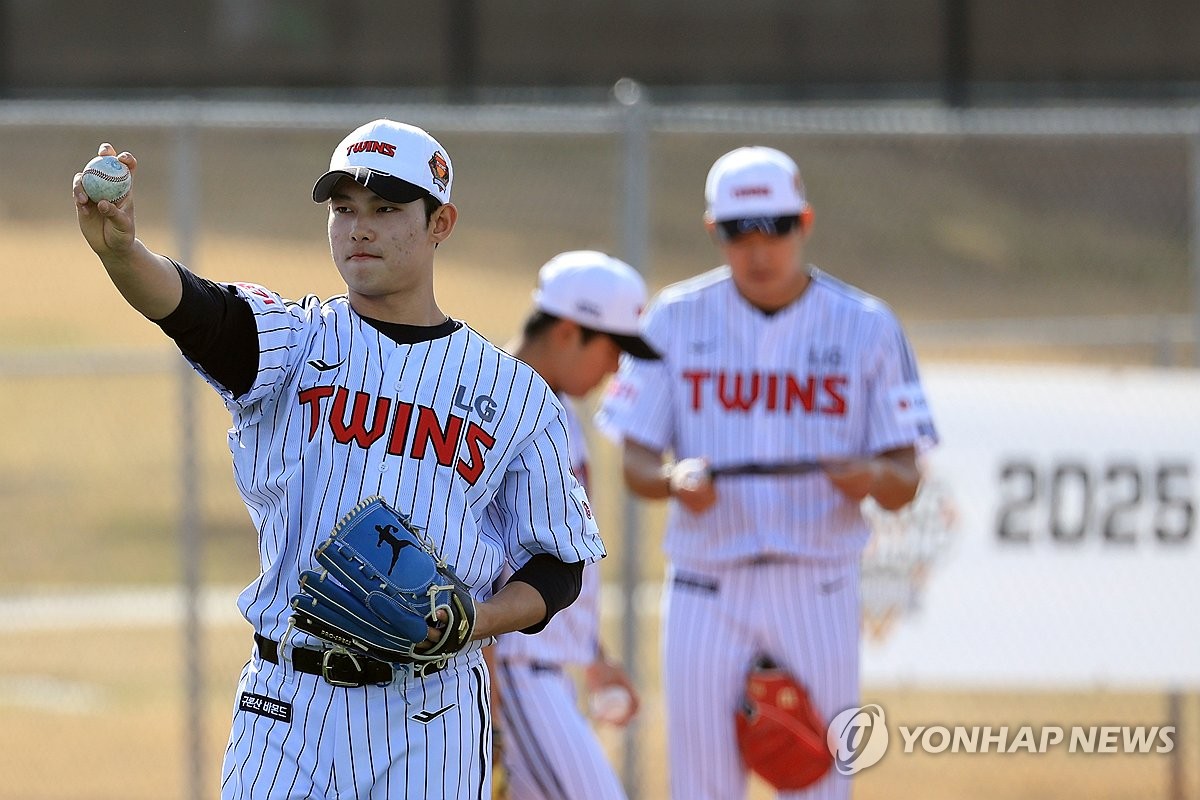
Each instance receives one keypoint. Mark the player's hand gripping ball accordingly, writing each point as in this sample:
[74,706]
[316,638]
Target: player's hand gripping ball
[611,704]
[106,178]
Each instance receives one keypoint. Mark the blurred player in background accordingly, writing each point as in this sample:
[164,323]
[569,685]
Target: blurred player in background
[587,313]
[766,363]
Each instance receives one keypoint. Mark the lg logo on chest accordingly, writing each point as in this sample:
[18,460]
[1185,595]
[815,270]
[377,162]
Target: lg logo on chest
[483,405]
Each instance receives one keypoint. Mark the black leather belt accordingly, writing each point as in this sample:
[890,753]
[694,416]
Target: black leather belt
[338,667]
[769,560]
[700,583]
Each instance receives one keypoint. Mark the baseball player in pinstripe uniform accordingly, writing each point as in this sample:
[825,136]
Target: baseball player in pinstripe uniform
[375,392]
[587,307]
[768,365]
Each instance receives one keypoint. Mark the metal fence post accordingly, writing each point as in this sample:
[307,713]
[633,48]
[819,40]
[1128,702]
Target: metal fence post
[1194,240]
[185,190]
[635,248]
[1177,775]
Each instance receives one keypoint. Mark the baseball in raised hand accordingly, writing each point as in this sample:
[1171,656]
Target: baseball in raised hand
[106,222]
[106,178]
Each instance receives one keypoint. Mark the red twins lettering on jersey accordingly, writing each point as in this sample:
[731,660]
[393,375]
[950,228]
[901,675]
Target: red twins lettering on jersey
[372,146]
[411,429]
[784,392]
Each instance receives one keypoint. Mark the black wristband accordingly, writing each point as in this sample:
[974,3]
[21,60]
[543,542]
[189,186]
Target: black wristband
[558,582]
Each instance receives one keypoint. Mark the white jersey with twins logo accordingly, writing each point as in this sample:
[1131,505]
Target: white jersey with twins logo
[467,440]
[830,376]
[772,568]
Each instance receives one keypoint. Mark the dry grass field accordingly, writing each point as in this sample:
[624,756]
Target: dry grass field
[99,715]
[89,467]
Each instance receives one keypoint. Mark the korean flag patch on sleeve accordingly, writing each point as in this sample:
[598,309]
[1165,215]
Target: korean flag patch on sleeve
[579,495]
[908,404]
[259,297]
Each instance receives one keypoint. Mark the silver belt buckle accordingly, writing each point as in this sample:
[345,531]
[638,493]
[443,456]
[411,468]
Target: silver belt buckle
[327,665]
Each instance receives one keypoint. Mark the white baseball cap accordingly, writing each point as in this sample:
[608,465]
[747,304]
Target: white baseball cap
[398,162]
[754,182]
[596,291]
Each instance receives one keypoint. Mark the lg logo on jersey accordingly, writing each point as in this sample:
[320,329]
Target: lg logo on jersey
[411,429]
[825,357]
[483,405]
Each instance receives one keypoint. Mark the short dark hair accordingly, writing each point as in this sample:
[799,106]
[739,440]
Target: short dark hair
[432,204]
[540,321]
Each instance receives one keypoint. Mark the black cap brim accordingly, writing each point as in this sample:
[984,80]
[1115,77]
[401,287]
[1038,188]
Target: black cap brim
[389,187]
[636,346]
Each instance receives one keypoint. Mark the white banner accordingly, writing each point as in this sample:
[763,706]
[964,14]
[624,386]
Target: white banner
[1057,544]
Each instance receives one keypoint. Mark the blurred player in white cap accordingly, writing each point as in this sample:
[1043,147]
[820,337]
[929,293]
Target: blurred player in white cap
[587,308]
[373,392]
[768,364]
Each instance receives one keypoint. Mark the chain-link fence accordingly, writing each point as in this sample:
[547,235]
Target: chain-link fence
[1047,235]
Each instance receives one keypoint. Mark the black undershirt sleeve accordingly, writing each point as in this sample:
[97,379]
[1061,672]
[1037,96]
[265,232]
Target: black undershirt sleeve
[215,328]
[558,582]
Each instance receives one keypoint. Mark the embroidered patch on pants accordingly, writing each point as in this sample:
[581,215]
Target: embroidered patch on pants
[266,707]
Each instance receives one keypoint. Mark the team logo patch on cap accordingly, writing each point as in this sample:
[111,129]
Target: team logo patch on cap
[440,170]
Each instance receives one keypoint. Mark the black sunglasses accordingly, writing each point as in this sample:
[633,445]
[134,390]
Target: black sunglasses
[731,230]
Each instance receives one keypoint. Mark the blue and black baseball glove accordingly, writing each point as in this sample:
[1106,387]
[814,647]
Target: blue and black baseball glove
[381,589]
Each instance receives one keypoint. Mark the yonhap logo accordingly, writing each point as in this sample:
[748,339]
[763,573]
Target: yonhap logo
[857,738]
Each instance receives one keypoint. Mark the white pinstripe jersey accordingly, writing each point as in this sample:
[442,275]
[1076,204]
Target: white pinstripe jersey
[831,375]
[463,437]
[572,635]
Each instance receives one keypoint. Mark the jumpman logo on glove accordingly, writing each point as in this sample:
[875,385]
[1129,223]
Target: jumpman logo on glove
[387,533]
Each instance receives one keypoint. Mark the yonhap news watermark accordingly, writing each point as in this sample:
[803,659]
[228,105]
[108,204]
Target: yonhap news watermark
[861,736]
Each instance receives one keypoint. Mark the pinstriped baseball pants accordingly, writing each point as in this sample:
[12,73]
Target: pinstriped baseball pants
[296,736]
[551,751]
[803,614]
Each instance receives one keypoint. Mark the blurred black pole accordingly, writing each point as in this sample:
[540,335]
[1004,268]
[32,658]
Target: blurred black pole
[462,47]
[957,53]
[5,47]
